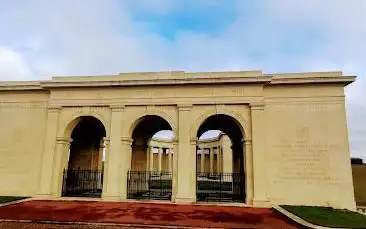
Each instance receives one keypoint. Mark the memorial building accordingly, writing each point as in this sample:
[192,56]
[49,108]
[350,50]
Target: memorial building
[283,138]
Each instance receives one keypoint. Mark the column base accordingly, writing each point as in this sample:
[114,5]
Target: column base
[262,203]
[182,200]
[112,197]
[43,196]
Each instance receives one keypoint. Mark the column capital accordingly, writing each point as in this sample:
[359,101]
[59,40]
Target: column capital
[257,106]
[246,141]
[117,107]
[126,140]
[185,107]
[194,141]
[62,140]
[54,108]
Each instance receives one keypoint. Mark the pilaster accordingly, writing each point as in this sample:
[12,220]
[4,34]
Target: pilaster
[47,170]
[60,164]
[186,172]
[113,155]
[175,170]
[125,165]
[258,155]
[248,168]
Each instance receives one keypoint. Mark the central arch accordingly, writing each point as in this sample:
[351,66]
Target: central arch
[150,176]
[222,179]
[83,176]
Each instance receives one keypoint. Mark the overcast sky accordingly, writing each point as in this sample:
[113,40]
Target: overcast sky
[41,38]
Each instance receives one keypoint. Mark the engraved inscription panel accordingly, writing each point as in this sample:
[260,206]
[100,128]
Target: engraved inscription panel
[305,160]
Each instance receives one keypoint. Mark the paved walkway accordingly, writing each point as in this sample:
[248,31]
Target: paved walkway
[145,214]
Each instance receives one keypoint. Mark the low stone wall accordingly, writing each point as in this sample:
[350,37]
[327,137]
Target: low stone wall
[361,209]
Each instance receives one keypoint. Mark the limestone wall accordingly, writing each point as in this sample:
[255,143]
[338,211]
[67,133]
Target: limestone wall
[307,152]
[23,117]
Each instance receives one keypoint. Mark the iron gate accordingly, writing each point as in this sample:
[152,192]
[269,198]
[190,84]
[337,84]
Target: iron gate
[220,187]
[149,185]
[82,183]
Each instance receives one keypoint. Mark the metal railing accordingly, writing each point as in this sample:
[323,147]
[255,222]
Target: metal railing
[82,183]
[220,187]
[149,185]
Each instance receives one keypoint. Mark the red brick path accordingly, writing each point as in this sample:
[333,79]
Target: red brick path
[146,213]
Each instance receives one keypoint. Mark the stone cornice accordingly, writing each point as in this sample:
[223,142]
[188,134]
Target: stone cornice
[154,79]
[153,82]
[313,80]
[20,86]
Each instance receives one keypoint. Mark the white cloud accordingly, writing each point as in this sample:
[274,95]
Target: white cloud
[13,66]
[42,38]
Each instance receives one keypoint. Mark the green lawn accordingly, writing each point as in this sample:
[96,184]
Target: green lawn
[328,217]
[5,199]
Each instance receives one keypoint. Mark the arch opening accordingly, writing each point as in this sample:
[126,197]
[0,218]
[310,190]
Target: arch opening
[83,176]
[220,160]
[152,155]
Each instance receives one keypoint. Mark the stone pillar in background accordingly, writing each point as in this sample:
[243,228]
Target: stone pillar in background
[170,154]
[160,168]
[148,152]
[100,155]
[211,160]
[151,155]
[47,167]
[202,161]
[218,160]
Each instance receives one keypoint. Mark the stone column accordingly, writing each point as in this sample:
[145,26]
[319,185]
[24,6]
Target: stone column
[125,165]
[113,153]
[160,168]
[258,155]
[202,161]
[211,160]
[60,164]
[47,166]
[248,168]
[186,154]
[170,160]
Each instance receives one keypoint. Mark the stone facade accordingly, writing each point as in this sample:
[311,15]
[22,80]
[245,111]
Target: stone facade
[289,130]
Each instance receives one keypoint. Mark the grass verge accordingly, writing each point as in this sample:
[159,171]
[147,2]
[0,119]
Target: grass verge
[328,217]
[5,199]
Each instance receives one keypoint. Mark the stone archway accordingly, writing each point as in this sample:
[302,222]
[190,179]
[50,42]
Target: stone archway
[83,174]
[226,181]
[147,178]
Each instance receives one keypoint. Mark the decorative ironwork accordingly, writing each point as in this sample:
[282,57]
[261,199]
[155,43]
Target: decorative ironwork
[220,187]
[149,185]
[82,183]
